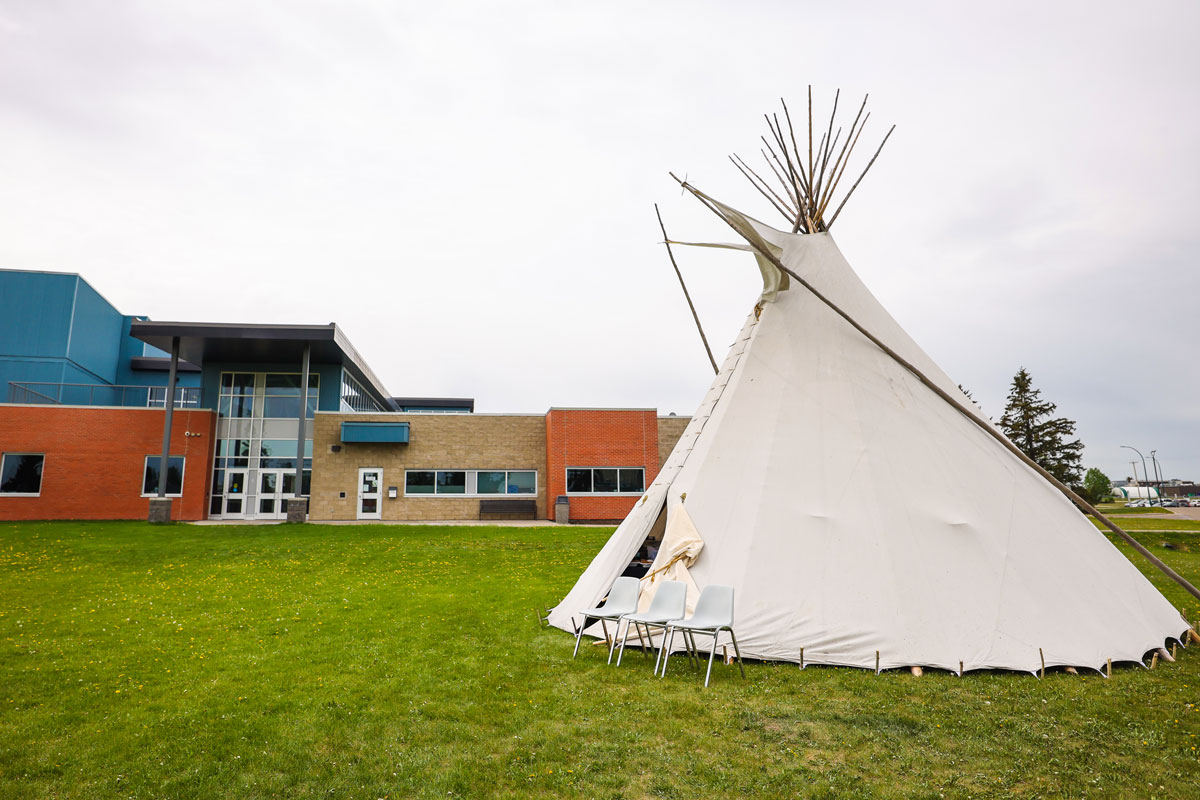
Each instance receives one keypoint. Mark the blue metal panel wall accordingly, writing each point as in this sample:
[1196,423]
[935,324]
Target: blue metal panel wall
[35,313]
[96,329]
[28,370]
[136,348]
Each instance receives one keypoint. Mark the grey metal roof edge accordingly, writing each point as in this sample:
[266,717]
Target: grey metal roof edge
[318,333]
[448,401]
[159,364]
[234,329]
[365,373]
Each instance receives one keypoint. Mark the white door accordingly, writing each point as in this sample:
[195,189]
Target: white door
[235,493]
[274,489]
[370,492]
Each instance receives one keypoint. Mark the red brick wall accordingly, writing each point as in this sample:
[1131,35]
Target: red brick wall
[95,458]
[596,438]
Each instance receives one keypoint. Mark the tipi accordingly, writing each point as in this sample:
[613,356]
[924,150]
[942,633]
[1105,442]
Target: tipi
[792,484]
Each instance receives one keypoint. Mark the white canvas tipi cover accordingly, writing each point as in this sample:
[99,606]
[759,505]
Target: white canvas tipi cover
[797,472]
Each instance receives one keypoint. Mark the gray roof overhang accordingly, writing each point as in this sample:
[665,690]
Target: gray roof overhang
[205,342]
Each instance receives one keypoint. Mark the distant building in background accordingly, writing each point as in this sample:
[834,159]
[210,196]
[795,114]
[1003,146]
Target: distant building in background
[82,390]
[1133,492]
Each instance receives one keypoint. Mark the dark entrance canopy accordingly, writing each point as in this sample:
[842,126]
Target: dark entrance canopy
[201,342]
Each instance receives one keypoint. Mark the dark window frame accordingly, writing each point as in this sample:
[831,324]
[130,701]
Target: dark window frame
[155,461]
[617,492]
[41,471]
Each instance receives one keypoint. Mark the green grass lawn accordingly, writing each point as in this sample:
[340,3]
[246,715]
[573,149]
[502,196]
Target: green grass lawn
[368,662]
[1120,510]
[1152,524]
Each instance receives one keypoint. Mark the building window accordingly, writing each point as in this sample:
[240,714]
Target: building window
[606,480]
[282,395]
[174,476]
[492,482]
[470,482]
[256,431]
[355,397]
[185,396]
[269,395]
[21,474]
[452,482]
[281,453]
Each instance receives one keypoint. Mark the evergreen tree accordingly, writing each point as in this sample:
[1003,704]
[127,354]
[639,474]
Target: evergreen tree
[1097,485]
[1029,422]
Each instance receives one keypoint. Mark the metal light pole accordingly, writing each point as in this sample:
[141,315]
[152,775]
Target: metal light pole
[1157,474]
[1145,471]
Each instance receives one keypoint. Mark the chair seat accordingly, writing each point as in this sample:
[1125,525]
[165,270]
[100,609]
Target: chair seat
[695,624]
[602,611]
[654,619]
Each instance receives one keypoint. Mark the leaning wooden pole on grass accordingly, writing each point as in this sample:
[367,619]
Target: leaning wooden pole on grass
[686,295]
[766,253]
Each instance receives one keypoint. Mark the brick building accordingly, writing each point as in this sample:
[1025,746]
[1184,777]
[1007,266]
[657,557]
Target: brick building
[440,466]
[265,416]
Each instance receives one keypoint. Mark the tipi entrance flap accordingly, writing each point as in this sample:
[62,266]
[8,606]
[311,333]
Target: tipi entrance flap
[681,546]
[612,559]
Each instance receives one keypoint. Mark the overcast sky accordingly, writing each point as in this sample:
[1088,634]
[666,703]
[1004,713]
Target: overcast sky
[468,189]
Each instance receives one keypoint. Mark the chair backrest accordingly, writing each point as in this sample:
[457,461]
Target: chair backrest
[670,600]
[715,603]
[623,596]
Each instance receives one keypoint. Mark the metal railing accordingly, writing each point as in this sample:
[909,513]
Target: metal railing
[100,394]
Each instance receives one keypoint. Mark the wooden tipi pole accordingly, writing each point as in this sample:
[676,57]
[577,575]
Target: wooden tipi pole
[686,295]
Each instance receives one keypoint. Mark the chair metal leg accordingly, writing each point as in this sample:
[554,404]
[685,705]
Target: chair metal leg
[624,638]
[645,641]
[668,641]
[612,645]
[604,628]
[737,652]
[578,636]
[711,654]
[693,651]
[661,649]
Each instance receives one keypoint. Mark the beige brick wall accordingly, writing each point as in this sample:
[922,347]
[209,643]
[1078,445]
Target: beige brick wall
[436,441]
[669,431]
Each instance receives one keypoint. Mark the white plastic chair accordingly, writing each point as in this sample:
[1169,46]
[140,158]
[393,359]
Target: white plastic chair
[714,613]
[622,599]
[669,605]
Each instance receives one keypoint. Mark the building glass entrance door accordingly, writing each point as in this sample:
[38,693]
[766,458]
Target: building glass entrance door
[275,487]
[235,491]
[370,482]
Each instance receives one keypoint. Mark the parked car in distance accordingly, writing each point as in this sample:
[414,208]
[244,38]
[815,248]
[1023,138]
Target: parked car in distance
[1195,501]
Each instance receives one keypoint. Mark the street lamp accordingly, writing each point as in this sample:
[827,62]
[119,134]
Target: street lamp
[1157,474]
[1144,470]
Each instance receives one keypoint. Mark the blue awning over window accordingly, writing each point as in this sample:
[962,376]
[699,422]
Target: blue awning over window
[375,432]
